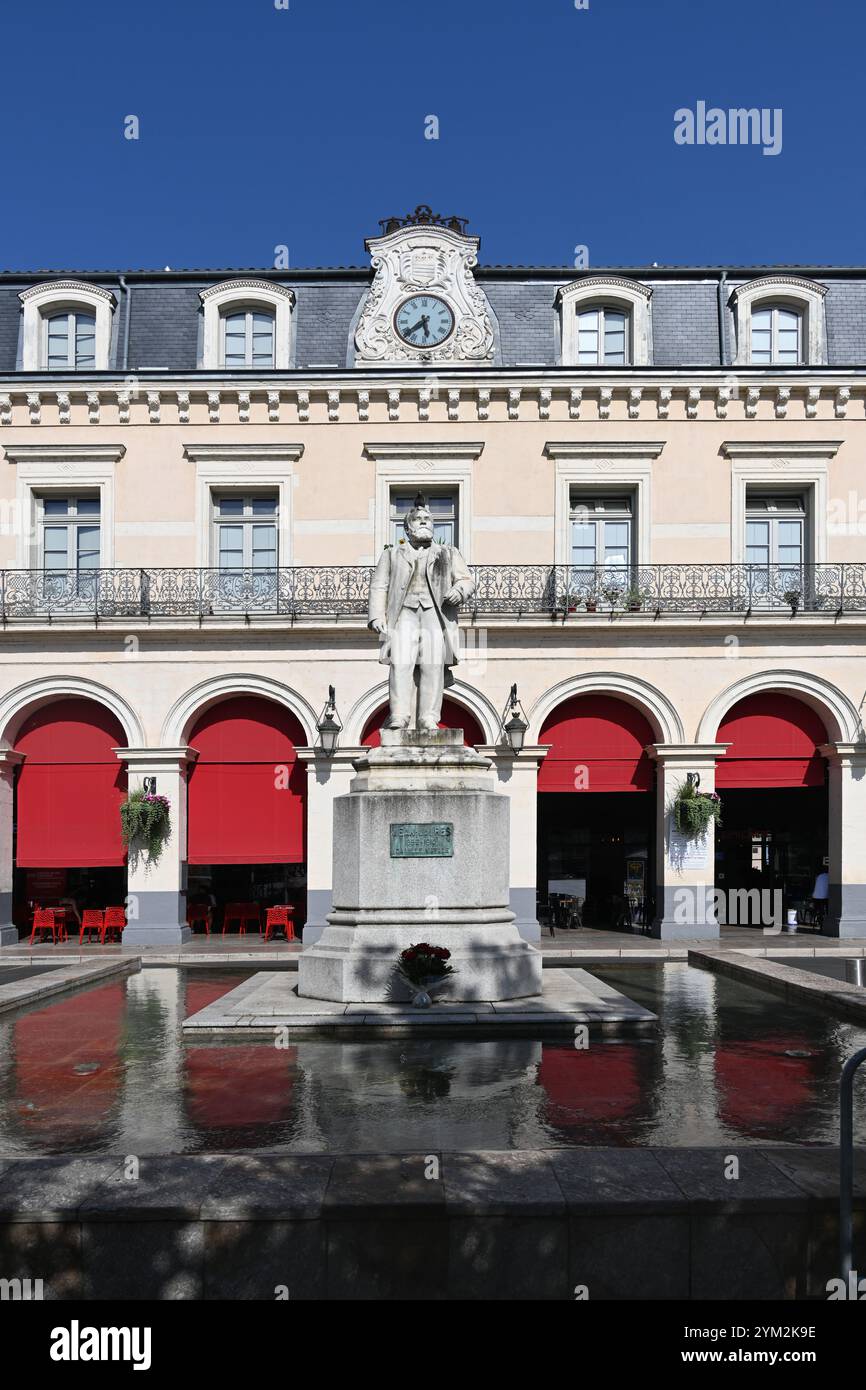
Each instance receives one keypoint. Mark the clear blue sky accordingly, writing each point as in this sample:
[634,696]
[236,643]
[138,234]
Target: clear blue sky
[304,126]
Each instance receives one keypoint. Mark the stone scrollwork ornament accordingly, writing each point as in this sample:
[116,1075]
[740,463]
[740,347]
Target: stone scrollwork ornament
[424,305]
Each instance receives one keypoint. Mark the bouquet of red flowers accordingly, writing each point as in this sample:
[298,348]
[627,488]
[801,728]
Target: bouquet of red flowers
[423,965]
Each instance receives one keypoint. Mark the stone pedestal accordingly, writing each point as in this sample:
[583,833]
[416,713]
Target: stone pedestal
[421,853]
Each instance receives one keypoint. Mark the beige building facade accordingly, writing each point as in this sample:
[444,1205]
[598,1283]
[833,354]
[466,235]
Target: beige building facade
[669,563]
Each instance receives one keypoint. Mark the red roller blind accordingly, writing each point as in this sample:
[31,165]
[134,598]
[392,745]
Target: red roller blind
[453,717]
[774,742]
[598,746]
[247,791]
[70,787]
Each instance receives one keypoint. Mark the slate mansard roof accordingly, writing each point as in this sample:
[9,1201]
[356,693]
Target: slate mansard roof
[157,323]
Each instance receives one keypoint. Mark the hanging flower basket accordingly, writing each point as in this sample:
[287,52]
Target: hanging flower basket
[424,969]
[145,822]
[694,810]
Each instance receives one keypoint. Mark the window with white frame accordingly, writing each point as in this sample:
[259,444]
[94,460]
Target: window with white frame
[247,323]
[776,536]
[248,338]
[602,533]
[777,335]
[605,320]
[602,336]
[443,507]
[69,533]
[245,530]
[780,321]
[70,341]
[66,327]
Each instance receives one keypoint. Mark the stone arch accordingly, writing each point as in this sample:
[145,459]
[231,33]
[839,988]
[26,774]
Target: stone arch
[836,710]
[193,703]
[650,701]
[21,702]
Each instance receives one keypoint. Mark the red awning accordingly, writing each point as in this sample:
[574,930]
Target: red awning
[598,746]
[70,787]
[453,717]
[247,791]
[774,741]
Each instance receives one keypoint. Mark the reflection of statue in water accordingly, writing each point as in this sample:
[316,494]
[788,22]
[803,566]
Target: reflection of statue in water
[414,596]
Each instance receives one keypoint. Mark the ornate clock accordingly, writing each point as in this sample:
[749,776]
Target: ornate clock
[424,321]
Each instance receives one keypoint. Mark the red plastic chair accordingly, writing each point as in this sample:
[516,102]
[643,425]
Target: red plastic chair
[44,920]
[244,914]
[114,920]
[92,920]
[199,917]
[280,917]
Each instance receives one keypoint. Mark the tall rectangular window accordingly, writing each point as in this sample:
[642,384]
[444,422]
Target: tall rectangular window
[245,532]
[69,533]
[443,506]
[776,537]
[602,533]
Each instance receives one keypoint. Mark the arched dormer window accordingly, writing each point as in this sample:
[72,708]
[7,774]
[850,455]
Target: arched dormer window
[605,320]
[67,327]
[780,322]
[247,324]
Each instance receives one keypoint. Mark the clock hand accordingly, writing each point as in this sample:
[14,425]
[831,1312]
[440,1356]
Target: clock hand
[414,328]
[425,323]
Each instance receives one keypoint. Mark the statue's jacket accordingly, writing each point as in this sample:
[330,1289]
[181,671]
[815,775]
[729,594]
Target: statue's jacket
[445,569]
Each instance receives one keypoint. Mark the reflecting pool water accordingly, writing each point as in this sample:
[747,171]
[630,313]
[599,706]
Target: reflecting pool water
[107,1070]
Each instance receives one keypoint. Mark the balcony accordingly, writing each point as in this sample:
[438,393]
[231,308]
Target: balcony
[311,592]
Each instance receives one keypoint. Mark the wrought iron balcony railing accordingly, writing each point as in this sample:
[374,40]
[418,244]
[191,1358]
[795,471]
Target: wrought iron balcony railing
[333,591]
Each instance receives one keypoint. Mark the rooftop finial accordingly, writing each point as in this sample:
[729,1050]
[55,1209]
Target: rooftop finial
[423,216]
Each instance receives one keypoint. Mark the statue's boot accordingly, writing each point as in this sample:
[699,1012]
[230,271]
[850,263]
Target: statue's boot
[396,721]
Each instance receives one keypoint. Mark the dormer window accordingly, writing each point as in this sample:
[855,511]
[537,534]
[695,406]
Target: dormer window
[605,321]
[247,326]
[67,327]
[248,338]
[776,335]
[780,322]
[602,336]
[70,341]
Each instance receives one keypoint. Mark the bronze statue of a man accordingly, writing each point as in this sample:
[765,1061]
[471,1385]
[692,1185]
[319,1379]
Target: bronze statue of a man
[414,597]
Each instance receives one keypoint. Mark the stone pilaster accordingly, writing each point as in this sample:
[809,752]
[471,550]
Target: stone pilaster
[846,909]
[156,893]
[327,778]
[685,873]
[517,778]
[9,760]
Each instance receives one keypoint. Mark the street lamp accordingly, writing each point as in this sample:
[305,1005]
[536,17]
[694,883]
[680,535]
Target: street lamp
[516,725]
[329,725]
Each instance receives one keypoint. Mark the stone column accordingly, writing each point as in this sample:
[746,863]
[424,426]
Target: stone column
[9,760]
[327,778]
[685,873]
[156,893]
[846,909]
[517,777]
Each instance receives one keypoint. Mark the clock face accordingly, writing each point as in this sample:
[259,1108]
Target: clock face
[424,321]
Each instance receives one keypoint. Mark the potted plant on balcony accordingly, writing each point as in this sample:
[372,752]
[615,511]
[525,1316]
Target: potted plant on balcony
[693,810]
[590,597]
[793,596]
[424,968]
[634,599]
[612,593]
[145,823]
